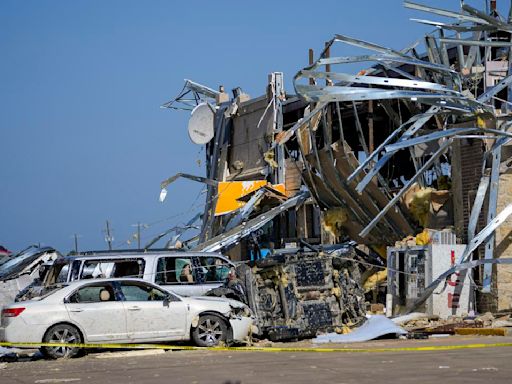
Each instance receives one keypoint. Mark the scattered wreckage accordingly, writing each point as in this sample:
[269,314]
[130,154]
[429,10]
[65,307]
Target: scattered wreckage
[22,271]
[409,158]
[413,148]
[299,293]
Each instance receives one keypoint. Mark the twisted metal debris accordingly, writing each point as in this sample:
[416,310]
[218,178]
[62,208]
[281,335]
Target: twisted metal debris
[361,143]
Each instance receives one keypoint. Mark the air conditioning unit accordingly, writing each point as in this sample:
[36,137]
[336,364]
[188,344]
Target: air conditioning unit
[412,269]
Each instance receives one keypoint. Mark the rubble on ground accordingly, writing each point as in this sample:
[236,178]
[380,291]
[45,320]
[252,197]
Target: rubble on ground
[435,325]
[11,355]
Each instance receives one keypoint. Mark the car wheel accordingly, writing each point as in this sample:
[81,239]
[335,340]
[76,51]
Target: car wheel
[61,333]
[210,331]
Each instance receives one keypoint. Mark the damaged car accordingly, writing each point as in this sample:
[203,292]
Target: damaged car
[123,311]
[24,270]
[297,293]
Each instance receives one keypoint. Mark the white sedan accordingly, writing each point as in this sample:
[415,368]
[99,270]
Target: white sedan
[123,311]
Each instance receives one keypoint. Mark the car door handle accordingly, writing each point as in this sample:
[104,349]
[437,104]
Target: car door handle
[134,308]
[76,310]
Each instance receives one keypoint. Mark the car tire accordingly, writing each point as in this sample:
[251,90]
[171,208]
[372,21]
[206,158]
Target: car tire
[62,333]
[210,331]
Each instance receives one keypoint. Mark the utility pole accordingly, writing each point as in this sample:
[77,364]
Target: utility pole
[76,242]
[311,61]
[108,236]
[138,225]
[138,235]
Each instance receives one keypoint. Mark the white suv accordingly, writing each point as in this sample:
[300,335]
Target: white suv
[186,273]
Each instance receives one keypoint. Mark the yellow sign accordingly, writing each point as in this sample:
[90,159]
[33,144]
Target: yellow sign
[230,191]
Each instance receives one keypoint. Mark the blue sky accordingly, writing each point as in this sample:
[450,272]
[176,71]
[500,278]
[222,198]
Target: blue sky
[82,136]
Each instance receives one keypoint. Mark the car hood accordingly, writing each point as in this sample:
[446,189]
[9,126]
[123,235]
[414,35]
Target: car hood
[214,302]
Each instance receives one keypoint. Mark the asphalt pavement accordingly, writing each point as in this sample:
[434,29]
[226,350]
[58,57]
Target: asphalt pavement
[471,365]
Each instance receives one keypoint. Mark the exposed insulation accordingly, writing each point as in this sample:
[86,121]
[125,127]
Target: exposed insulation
[269,157]
[409,241]
[419,205]
[423,238]
[424,203]
[334,219]
[375,279]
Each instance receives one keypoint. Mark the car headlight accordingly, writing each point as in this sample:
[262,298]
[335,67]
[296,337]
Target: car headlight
[242,311]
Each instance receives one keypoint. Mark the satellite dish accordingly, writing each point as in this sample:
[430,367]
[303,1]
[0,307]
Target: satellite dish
[200,125]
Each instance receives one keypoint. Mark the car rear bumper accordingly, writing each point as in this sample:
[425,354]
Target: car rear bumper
[12,334]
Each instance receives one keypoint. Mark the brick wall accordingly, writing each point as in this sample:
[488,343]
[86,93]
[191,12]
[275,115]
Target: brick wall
[504,247]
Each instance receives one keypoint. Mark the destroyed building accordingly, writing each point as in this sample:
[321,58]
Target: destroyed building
[413,150]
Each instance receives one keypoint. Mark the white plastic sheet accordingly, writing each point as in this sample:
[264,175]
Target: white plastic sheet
[376,326]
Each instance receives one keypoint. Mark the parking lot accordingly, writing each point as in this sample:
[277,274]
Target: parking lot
[468,365]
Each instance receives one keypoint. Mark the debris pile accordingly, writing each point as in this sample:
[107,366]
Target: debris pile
[430,325]
[11,355]
[22,271]
[299,293]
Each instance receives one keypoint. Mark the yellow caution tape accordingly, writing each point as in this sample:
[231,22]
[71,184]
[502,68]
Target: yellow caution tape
[257,349]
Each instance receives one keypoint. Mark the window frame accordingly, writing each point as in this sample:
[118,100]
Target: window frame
[67,299]
[176,283]
[167,295]
[114,261]
[50,275]
[225,264]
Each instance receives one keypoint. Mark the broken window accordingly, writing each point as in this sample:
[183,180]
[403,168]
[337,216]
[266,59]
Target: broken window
[62,276]
[112,268]
[58,273]
[216,269]
[173,270]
